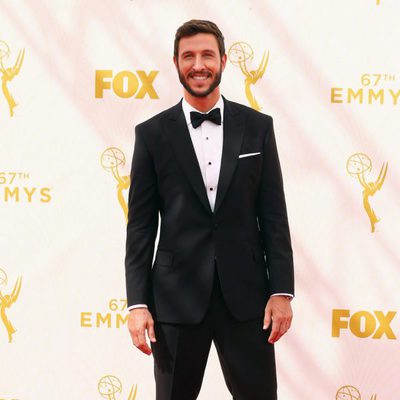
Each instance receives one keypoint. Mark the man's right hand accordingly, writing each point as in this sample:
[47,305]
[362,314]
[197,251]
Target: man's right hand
[140,321]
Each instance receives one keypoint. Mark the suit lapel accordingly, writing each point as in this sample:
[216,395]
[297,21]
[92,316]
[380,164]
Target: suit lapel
[233,137]
[179,136]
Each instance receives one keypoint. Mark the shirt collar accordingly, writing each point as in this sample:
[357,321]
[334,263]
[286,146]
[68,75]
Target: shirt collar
[187,108]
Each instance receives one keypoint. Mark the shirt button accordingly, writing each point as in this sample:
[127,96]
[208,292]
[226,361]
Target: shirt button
[209,163]
[207,138]
[211,188]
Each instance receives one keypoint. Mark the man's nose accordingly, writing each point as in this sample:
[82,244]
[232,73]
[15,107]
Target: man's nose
[198,63]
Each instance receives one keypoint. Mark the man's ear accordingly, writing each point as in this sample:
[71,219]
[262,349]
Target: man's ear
[175,62]
[223,61]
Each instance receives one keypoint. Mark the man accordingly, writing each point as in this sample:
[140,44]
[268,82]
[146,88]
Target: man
[223,269]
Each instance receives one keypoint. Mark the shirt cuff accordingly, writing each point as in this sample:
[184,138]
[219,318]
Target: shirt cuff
[283,294]
[136,306]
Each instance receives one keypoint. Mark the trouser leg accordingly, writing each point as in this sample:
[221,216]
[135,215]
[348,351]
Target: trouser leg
[246,357]
[180,357]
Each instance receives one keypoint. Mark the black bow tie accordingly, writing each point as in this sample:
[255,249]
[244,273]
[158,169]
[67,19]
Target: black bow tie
[198,118]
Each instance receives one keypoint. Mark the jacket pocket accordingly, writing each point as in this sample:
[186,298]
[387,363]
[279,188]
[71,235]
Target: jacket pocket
[246,155]
[164,257]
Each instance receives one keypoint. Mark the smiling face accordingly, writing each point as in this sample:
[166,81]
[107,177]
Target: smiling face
[200,65]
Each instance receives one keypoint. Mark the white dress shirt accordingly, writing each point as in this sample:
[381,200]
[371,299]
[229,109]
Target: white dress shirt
[207,141]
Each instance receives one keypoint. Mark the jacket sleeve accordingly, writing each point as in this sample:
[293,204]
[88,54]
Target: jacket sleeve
[273,221]
[142,222]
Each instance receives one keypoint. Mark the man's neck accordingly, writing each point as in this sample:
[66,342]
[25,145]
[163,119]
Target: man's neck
[203,104]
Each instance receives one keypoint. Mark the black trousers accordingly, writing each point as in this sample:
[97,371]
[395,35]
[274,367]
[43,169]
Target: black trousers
[247,359]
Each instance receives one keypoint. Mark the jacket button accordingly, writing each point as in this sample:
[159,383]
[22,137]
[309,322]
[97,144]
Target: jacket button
[215,226]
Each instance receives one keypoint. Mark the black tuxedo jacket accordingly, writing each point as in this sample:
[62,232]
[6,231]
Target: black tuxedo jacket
[247,234]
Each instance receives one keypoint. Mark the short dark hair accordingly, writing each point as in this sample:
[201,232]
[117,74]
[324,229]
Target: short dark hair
[194,26]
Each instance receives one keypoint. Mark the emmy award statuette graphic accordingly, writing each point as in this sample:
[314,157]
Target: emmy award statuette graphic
[239,54]
[358,165]
[9,73]
[6,301]
[110,387]
[349,392]
[111,160]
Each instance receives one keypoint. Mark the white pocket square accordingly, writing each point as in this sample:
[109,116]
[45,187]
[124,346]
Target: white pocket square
[249,154]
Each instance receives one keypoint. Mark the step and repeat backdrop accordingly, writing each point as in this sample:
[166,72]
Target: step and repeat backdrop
[77,76]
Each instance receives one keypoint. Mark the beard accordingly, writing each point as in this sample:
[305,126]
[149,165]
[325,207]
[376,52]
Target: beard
[216,81]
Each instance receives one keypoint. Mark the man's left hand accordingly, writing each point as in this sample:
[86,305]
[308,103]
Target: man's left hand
[279,311]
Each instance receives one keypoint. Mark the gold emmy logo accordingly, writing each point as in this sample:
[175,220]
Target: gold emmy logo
[239,54]
[111,160]
[349,392]
[6,300]
[110,386]
[358,165]
[378,2]
[9,73]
